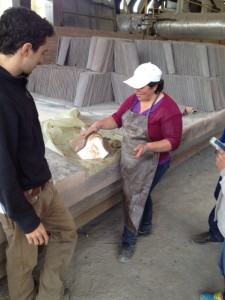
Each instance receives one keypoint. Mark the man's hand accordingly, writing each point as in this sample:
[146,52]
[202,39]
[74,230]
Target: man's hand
[220,160]
[38,237]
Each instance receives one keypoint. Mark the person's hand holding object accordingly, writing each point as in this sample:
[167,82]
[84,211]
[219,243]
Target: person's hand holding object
[220,159]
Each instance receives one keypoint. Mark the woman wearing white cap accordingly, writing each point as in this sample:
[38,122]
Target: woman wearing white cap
[152,125]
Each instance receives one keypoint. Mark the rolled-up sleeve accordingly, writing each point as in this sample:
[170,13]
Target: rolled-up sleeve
[172,130]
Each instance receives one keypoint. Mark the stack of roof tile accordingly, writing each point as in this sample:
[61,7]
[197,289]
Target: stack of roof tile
[78,52]
[63,82]
[126,58]
[205,94]
[216,58]
[158,53]
[62,50]
[73,51]
[100,57]
[93,88]
[194,73]
[39,80]
[120,90]
[190,59]
[54,81]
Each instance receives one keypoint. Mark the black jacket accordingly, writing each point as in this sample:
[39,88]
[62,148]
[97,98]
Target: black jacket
[22,162]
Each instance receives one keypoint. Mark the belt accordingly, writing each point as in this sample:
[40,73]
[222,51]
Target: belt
[37,190]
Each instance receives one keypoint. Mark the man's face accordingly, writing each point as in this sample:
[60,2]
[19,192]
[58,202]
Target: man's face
[35,58]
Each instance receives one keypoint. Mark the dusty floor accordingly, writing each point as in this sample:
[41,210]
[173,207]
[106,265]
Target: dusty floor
[166,265]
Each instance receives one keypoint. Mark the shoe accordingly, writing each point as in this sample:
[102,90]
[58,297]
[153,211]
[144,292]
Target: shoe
[144,232]
[216,296]
[126,252]
[203,238]
[66,294]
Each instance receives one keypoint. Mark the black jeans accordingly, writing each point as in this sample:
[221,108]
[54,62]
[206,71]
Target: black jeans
[213,228]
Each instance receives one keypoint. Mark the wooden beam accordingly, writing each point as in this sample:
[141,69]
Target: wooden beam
[97,210]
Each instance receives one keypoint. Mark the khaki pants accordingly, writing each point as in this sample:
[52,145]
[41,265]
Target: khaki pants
[22,257]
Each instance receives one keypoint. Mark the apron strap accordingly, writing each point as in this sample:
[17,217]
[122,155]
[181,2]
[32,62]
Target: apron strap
[153,103]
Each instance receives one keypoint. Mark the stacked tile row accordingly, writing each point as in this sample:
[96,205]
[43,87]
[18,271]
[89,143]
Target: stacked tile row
[94,54]
[183,58]
[64,82]
[193,72]
[192,91]
[76,86]
[196,71]
[172,57]
[205,94]
[54,81]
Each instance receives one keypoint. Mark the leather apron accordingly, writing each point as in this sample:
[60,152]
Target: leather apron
[137,174]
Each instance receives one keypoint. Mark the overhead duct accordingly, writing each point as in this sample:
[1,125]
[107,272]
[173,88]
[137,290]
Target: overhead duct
[174,25]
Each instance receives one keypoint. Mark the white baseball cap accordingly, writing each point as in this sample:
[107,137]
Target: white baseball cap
[143,75]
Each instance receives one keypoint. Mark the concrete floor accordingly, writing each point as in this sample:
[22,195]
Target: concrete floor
[166,265]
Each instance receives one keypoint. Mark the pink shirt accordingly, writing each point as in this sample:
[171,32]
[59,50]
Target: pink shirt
[164,121]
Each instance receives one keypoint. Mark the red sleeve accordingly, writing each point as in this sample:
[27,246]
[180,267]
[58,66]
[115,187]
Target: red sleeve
[166,123]
[127,104]
[172,130]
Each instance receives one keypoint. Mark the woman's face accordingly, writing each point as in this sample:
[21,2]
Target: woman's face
[146,93]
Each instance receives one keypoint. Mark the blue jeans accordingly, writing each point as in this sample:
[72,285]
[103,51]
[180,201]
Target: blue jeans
[213,228]
[130,237]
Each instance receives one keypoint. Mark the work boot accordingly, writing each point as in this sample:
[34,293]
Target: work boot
[203,238]
[144,232]
[66,294]
[126,252]
[216,296]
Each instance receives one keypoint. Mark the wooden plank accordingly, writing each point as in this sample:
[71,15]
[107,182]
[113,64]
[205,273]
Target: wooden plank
[192,150]
[97,210]
[187,154]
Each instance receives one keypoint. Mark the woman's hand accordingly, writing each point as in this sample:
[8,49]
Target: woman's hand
[139,150]
[220,160]
[105,124]
[93,128]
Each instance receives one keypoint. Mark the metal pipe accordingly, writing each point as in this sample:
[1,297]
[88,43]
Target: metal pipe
[190,25]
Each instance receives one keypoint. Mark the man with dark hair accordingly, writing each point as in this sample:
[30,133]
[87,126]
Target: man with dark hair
[31,211]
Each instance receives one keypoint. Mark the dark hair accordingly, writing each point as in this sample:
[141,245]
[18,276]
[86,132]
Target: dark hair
[19,25]
[159,87]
